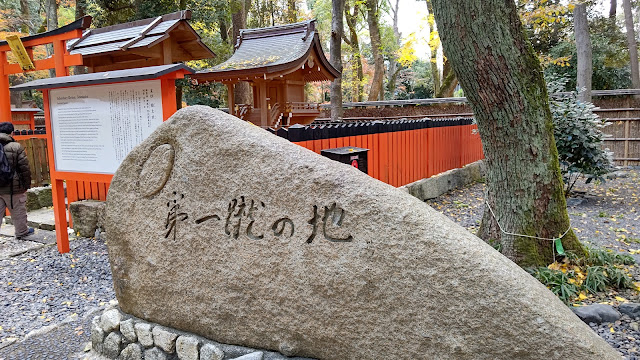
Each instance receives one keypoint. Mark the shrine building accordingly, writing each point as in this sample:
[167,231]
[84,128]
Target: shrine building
[162,40]
[277,61]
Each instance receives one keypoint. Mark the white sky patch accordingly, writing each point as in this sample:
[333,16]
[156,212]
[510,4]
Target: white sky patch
[412,17]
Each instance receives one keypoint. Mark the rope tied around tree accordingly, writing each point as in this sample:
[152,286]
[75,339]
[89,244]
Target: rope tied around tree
[556,244]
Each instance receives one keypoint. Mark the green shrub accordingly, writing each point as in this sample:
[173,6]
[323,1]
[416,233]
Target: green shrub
[596,279]
[556,281]
[618,279]
[601,257]
[592,273]
[579,137]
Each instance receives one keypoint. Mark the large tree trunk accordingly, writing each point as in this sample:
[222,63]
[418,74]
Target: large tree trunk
[16,96]
[434,44]
[224,31]
[449,81]
[376,49]
[81,11]
[337,29]
[583,47]
[354,43]
[52,23]
[81,8]
[292,12]
[25,13]
[631,42]
[503,82]
[240,8]
[392,74]
[52,14]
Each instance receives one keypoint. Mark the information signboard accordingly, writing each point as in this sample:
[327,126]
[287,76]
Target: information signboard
[94,130]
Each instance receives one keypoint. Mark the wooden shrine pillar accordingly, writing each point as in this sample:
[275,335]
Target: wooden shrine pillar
[5,95]
[231,101]
[58,56]
[285,99]
[264,108]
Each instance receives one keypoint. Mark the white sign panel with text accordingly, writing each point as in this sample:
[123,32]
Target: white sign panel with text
[95,127]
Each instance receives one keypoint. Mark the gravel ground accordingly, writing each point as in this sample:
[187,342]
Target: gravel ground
[605,215]
[42,287]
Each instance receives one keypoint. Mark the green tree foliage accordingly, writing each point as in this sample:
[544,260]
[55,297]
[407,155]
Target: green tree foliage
[579,137]
[547,22]
[416,81]
[610,58]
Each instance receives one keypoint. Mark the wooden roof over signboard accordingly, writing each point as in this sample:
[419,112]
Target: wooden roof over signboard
[274,51]
[155,41]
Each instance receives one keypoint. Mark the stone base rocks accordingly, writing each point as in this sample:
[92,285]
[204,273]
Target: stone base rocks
[117,335]
[39,197]
[87,215]
[437,185]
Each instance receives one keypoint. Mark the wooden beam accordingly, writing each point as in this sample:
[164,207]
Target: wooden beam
[264,110]
[627,134]
[231,101]
[127,65]
[167,52]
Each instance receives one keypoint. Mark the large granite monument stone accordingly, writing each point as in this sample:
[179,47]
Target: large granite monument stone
[218,228]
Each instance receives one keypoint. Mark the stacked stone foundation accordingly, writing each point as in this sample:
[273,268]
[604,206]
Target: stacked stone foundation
[118,335]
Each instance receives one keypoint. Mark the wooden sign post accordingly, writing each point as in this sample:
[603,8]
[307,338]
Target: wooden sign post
[94,120]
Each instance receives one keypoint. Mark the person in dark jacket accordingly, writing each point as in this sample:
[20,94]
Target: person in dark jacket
[14,196]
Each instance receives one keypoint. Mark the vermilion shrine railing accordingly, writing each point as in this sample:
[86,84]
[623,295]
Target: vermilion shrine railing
[400,152]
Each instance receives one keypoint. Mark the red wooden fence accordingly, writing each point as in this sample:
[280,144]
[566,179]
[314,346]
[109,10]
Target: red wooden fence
[402,157]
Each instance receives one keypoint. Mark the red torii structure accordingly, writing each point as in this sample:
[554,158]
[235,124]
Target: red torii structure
[60,60]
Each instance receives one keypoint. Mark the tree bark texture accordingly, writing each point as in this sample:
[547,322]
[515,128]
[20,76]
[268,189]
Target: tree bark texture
[81,8]
[337,29]
[435,72]
[449,81]
[631,43]
[52,15]
[25,13]
[292,11]
[613,9]
[373,21]
[16,96]
[392,74]
[502,78]
[240,8]
[224,31]
[354,43]
[583,47]
[52,23]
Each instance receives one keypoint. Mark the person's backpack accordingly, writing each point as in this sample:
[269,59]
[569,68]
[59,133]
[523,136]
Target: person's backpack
[6,171]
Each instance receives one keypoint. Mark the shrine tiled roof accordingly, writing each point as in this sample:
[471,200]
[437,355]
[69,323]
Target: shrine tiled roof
[141,34]
[272,49]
